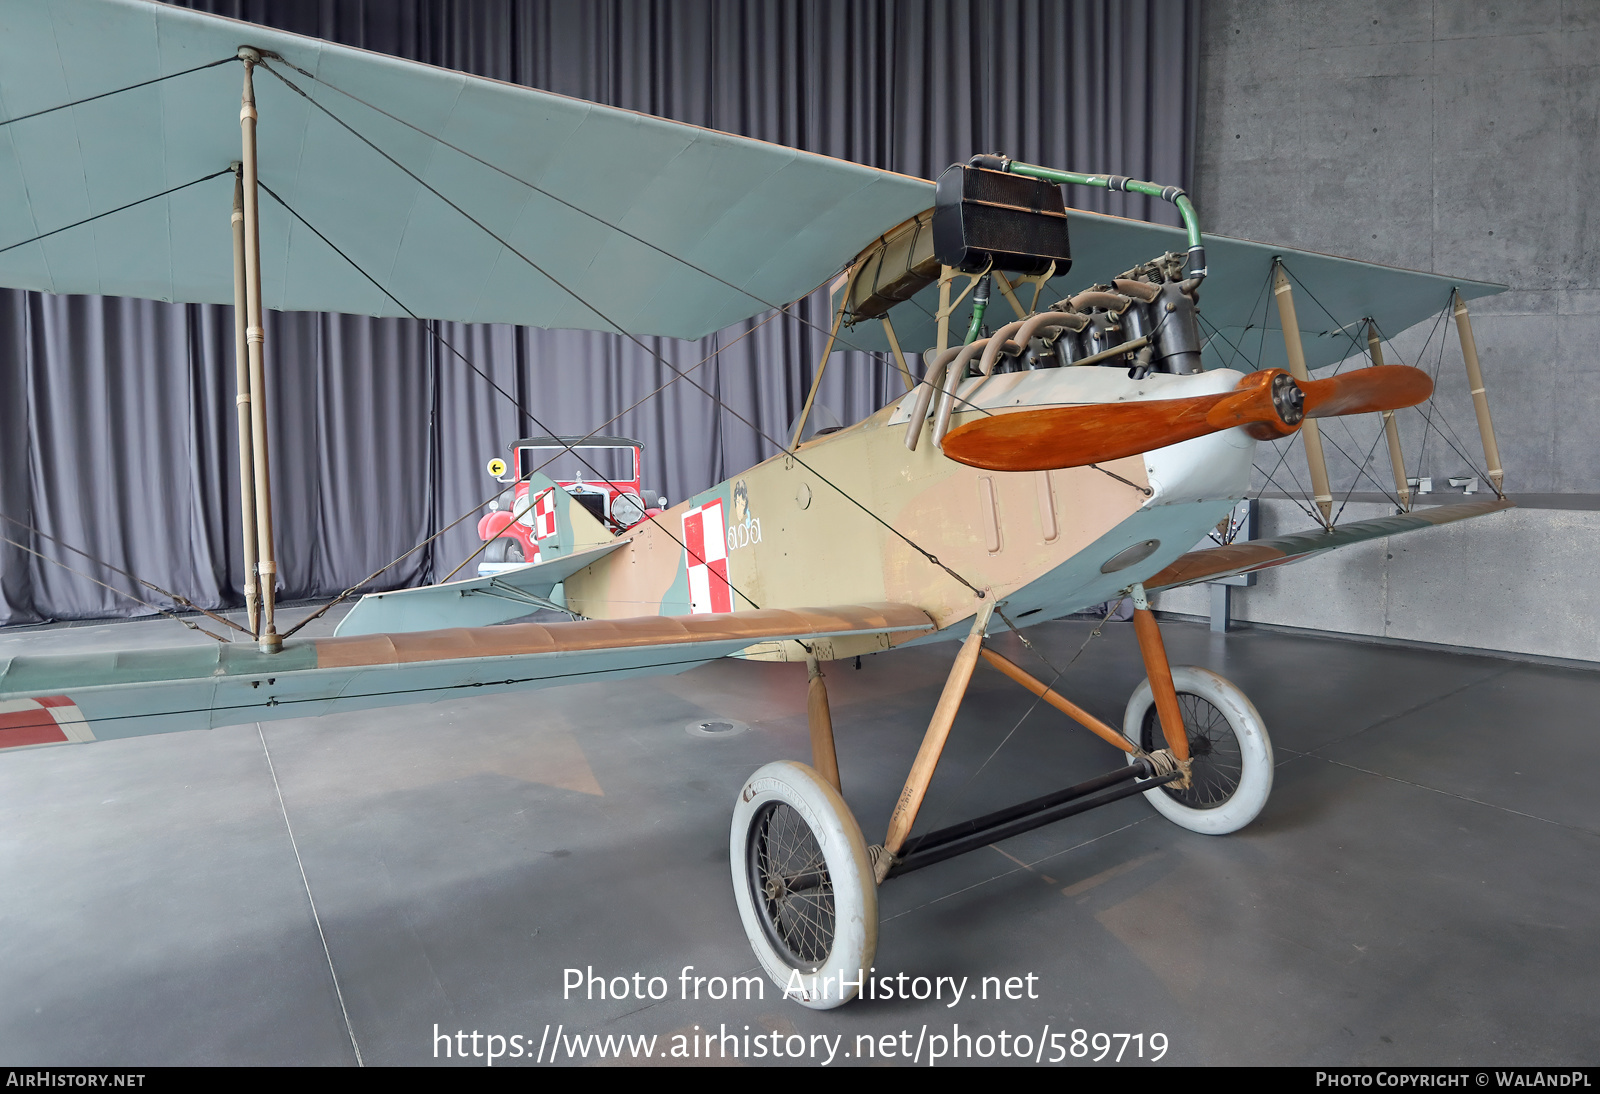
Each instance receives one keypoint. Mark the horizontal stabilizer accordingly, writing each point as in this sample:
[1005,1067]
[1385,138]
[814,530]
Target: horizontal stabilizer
[476,602]
[1260,554]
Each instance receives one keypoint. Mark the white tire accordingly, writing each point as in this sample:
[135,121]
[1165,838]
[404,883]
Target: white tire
[803,881]
[1231,773]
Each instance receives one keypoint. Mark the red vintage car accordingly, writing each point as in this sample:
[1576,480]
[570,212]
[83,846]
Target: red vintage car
[602,474]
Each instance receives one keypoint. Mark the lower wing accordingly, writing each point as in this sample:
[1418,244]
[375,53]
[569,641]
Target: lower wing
[1260,554]
[53,698]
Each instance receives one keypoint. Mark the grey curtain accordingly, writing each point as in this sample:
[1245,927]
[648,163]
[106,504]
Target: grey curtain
[117,416]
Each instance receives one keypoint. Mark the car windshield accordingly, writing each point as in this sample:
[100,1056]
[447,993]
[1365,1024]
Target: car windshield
[579,463]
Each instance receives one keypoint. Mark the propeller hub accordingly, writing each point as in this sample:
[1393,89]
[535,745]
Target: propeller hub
[1288,399]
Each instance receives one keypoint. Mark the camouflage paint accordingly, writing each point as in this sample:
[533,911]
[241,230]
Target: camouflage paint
[1036,539]
[132,693]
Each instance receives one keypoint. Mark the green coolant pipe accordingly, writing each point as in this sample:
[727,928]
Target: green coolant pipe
[1116,184]
[980,304]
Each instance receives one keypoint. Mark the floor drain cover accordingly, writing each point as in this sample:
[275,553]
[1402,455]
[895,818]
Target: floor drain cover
[715,728]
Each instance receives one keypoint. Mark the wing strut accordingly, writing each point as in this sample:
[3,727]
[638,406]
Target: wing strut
[1480,401]
[255,336]
[243,402]
[827,351]
[1391,430]
[1316,462]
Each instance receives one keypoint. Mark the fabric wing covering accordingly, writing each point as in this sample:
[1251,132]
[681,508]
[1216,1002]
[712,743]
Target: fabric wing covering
[105,694]
[1213,563]
[772,222]
[588,217]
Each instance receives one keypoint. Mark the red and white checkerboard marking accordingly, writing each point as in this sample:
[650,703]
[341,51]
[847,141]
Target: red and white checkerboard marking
[544,515]
[705,539]
[49,719]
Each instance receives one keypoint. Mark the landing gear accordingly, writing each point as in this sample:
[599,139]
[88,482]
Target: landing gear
[804,884]
[1230,753]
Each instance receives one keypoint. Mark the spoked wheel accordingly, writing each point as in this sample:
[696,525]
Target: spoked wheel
[803,881]
[1230,753]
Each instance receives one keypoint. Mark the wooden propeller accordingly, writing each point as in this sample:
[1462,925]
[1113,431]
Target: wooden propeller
[1269,404]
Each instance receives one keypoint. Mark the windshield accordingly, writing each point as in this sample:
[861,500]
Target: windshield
[578,464]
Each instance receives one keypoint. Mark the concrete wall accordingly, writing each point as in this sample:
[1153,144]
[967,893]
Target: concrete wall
[1459,137]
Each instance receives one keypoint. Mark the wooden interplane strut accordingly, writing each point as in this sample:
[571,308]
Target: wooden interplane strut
[242,401]
[255,338]
[1310,433]
[1391,428]
[1480,399]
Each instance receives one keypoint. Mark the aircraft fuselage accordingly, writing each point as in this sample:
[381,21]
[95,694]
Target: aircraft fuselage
[785,533]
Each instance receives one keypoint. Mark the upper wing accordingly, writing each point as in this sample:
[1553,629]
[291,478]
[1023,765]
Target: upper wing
[771,222]
[126,693]
[587,216]
[1261,554]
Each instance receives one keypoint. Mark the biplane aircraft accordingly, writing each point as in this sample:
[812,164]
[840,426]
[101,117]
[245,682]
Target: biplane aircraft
[1073,456]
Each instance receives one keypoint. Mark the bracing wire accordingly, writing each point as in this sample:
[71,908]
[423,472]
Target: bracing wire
[1344,330]
[118,91]
[1284,447]
[1362,466]
[432,327]
[1055,678]
[839,338]
[1433,411]
[191,624]
[1358,350]
[1361,471]
[928,555]
[182,601]
[118,209]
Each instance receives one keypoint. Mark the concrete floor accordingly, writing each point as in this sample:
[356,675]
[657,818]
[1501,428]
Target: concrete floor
[1418,890]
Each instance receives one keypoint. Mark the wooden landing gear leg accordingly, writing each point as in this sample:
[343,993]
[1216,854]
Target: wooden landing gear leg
[1211,729]
[823,757]
[944,716]
[1159,671]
